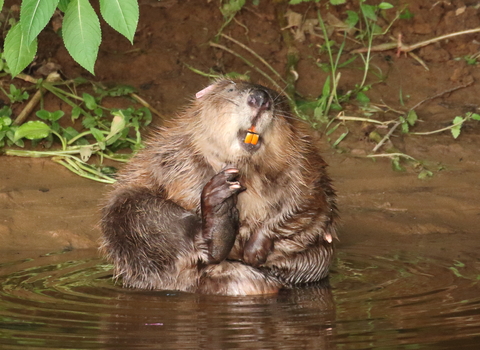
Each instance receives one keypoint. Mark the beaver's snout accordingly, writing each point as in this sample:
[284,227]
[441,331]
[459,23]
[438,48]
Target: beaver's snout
[259,99]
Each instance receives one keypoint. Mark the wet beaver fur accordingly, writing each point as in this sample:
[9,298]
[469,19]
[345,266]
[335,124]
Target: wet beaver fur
[200,210]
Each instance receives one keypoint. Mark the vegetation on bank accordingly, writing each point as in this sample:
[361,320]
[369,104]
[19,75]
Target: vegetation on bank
[89,129]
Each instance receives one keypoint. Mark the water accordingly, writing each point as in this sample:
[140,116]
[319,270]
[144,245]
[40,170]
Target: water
[384,296]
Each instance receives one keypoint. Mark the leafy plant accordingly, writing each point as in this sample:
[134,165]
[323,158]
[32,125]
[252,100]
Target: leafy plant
[80,31]
[15,95]
[105,132]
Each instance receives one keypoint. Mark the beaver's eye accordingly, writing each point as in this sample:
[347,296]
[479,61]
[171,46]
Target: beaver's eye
[231,89]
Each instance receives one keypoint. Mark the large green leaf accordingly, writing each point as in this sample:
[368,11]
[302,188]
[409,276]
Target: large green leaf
[33,130]
[17,52]
[34,16]
[121,15]
[81,33]
[1,4]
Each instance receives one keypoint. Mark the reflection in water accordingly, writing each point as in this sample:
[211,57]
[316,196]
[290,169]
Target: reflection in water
[391,300]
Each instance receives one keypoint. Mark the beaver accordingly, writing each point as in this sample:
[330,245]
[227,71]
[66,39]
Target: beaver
[231,197]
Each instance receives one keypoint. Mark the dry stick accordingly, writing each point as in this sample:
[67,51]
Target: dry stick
[257,56]
[441,94]
[250,64]
[146,104]
[407,48]
[387,136]
[293,55]
[35,99]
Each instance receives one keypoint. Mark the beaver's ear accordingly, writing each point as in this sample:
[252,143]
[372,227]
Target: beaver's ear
[205,91]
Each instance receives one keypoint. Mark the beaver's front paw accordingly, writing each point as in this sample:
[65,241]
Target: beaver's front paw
[220,214]
[257,249]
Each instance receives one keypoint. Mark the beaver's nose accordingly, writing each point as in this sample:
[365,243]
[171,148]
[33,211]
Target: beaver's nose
[259,99]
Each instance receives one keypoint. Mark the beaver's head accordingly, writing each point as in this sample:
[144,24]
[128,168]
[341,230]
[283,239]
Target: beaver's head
[239,119]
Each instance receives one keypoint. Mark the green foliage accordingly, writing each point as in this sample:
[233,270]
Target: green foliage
[15,95]
[17,51]
[106,131]
[81,33]
[231,7]
[121,15]
[34,16]
[81,29]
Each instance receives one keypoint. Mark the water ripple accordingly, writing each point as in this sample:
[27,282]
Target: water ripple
[399,299]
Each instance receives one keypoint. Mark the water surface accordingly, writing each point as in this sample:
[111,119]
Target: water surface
[383,296]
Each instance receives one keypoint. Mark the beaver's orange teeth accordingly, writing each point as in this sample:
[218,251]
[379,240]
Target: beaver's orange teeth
[248,138]
[251,137]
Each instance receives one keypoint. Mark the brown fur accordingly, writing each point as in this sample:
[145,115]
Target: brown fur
[152,223]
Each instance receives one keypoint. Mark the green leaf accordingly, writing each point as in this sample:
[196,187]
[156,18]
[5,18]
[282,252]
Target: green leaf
[69,133]
[1,4]
[89,100]
[352,19]
[121,15]
[97,134]
[456,129]
[296,2]
[52,116]
[63,4]
[385,6]
[337,2]
[17,52]
[233,6]
[34,16]
[404,125]
[412,117]
[425,174]
[369,11]
[33,130]
[5,111]
[362,98]
[396,166]
[81,33]
[406,14]
[89,122]
[475,116]
[326,87]
[76,112]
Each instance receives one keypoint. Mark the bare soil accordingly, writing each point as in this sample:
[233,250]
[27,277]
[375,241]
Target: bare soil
[43,206]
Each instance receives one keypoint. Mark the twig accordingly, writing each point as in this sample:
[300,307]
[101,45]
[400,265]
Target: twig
[146,104]
[293,55]
[360,119]
[407,48]
[439,130]
[390,155]
[250,64]
[441,94]
[36,98]
[386,137]
[257,56]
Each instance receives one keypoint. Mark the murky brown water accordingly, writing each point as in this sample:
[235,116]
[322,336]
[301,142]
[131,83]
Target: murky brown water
[383,296]
[406,276]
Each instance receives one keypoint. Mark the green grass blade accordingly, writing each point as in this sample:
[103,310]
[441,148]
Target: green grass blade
[121,15]
[17,52]
[34,16]
[81,33]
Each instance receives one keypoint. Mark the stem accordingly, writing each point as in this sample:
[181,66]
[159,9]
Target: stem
[439,130]
[257,56]
[390,155]
[62,140]
[250,64]
[387,136]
